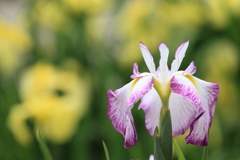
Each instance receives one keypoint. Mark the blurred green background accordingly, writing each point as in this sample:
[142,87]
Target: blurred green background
[58,58]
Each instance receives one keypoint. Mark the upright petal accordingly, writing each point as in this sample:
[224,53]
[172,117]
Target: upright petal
[120,103]
[185,86]
[208,93]
[151,104]
[183,113]
[148,58]
[163,61]
[191,69]
[136,73]
[179,55]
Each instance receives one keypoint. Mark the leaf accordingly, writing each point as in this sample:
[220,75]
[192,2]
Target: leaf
[43,146]
[158,154]
[166,136]
[178,150]
[106,151]
[205,153]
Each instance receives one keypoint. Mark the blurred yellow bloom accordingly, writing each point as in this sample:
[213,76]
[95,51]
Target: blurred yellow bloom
[216,13]
[17,124]
[56,99]
[149,21]
[50,14]
[87,6]
[14,43]
[226,62]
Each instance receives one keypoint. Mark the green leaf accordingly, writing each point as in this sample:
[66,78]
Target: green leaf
[166,136]
[205,153]
[158,154]
[178,150]
[106,151]
[43,146]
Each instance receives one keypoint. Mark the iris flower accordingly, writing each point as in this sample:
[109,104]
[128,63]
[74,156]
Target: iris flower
[191,100]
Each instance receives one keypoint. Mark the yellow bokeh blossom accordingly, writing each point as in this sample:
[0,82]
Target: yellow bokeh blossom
[15,42]
[147,21]
[83,6]
[55,99]
[50,14]
[226,62]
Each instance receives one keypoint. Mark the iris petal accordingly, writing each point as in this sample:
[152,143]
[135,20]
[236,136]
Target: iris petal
[183,113]
[191,69]
[120,103]
[148,58]
[151,104]
[208,93]
[179,55]
[163,61]
[185,86]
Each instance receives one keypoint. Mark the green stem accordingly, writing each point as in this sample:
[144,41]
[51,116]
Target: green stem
[205,153]
[178,150]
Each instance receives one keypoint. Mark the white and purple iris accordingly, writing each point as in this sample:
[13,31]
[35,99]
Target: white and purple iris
[191,100]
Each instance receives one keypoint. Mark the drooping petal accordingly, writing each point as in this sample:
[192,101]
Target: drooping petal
[208,93]
[148,58]
[163,61]
[185,86]
[183,113]
[120,103]
[179,55]
[120,115]
[136,73]
[151,104]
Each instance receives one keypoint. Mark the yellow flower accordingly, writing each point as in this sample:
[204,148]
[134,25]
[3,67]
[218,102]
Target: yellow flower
[89,6]
[50,14]
[14,43]
[56,99]
[226,61]
[150,21]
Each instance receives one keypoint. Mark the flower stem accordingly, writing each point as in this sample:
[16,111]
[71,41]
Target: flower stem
[205,153]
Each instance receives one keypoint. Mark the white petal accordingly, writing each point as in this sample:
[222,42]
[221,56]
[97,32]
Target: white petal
[185,87]
[151,157]
[140,87]
[191,69]
[208,93]
[179,55]
[183,113]
[136,73]
[120,103]
[151,104]
[120,114]
[163,61]
[148,58]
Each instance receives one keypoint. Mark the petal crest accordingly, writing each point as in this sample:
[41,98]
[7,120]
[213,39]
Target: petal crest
[136,73]
[148,58]
[191,69]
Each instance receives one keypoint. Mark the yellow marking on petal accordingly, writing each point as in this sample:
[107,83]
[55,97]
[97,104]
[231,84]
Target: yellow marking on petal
[134,82]
[192,80]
